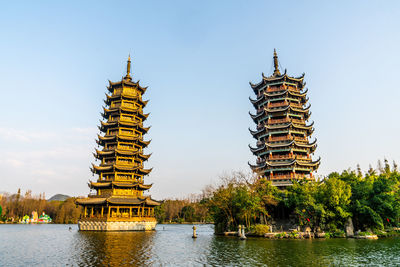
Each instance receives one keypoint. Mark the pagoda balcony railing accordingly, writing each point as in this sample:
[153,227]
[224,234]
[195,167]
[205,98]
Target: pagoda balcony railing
[279,104]
[260,126]
[302,157]
[260,143]
[298,121]
[289,176]
[276,89]
[296,105]
[260,110]
[294,89]
[278,157]
[301,139]
[280,138]
[124,119]
[115,105]
[275,121]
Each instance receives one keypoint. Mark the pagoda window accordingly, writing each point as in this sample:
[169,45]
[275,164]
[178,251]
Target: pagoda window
[130,91]
[127,132]
[116,104]
[112,132]
[117,91]
[128,104]
[135,211]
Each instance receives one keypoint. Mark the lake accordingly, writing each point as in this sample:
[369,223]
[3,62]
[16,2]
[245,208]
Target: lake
[172,245]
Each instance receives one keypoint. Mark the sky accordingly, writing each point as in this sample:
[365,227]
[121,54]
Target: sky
[197,57]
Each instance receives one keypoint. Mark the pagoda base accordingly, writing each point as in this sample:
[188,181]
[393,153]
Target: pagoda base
[101,225]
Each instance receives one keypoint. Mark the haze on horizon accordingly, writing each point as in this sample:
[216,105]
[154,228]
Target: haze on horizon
[197,60]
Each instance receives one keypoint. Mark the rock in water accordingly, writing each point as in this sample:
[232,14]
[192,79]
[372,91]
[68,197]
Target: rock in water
[349,228]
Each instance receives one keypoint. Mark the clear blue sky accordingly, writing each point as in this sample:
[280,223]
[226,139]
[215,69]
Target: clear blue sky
[197,59]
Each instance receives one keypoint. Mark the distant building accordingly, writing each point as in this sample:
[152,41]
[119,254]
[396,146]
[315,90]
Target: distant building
[283,148]
[119,202]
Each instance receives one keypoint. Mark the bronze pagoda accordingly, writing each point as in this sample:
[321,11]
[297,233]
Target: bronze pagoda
[283,148]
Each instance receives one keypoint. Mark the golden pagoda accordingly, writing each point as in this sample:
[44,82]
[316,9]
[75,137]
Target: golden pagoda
[283,147]
[119,203]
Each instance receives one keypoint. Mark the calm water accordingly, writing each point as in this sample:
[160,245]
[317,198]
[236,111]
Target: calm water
[172,245]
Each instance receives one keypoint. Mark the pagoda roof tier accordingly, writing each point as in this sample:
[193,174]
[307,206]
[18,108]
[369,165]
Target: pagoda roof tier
[257,132]
[291,125]
[116,137]
[284,130]
[293,163]
[117,201]
[119,184]
[256,149]
[115,167]
[113,124]
[277,79]
[287,91]
[125,83]
[284,108]
[293,142]
[100,154]
[125,96]
[255,117]
[257,101]
[136,111]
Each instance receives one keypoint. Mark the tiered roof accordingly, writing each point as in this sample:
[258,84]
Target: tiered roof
[121,168]
[282,133]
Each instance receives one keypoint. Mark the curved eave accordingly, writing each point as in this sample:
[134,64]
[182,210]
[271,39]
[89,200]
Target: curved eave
[255,167]
[303,110]
[127,96]
[254,150]
[255,102]
[313,164]
[131,185]
[254,117]
[285,77]
[301,94]
[90,201]
[279,145]
[152,202]
[255,133]
[135,111]
[105,125]
[99,185]
[124,82]
[102,140]
[97,169]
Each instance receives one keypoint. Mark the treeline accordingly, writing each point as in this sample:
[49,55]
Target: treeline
[371,200]
[190,209]
[14,206]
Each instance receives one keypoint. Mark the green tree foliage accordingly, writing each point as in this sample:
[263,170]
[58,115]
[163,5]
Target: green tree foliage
[16,206]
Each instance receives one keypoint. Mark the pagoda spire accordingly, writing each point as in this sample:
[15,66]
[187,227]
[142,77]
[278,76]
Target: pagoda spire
[128,69]
[276,65]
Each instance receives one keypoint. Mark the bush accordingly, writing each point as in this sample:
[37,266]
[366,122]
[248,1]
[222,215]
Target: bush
[259,229]
[365,233]
[280,235]
[337,234]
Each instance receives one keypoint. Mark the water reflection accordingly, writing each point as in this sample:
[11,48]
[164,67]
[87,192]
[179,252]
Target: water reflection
[113,248]
[173,245]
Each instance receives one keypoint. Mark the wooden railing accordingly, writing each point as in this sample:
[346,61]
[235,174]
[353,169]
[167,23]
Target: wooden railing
[279,104]
[280,138]
[274,121]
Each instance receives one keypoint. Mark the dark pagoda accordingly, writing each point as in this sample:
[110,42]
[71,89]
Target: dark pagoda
[283,148]
[119,203]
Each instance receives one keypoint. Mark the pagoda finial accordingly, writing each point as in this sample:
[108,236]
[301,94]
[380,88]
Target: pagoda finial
[276,65]
[128,69]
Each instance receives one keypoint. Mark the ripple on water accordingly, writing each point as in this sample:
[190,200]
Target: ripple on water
[172,245]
